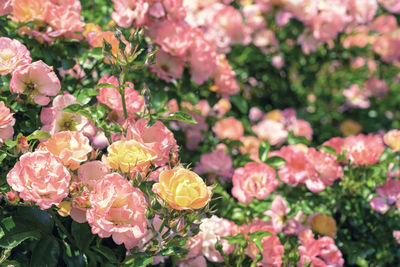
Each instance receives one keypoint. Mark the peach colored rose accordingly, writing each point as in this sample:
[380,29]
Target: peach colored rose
[182,189]
[157,138]
[71,147]
[7,122]
[251,144]
[40,177]
[392,139]
[254,180]
[12,55]
[37,81]
[28,10]
[129,154]
[229,128]
[117,210]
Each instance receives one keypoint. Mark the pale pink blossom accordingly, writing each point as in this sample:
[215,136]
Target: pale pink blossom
[12,55]
[40,177]
[194,132]
[384,24]
[336,143]
[278,212]
[37,81]
[376,88]
[211,231]
[225,77]
[387,48]
[308,42]
[297,224]
[157,138]
[128,12]
[356,97]
[379,204]
[7,122]
[70,146]
[117,210]
[173,37]
[278,61]
[390,190]
[254,180]
[255,114]
[363,11]
[5,7]
[297,167]
[230,128]
[301,128]
[271,131]
[326,170]
[167,66]
[55,120]
[112,98]
[393,6]
[202,57]
[215,163]
[396,235]
[319,252]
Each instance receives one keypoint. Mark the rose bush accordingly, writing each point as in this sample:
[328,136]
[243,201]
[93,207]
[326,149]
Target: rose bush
[199,133]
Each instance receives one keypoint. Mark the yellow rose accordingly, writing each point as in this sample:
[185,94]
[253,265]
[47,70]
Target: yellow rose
[324,225]
[182,189]
[128,154]
[274,115]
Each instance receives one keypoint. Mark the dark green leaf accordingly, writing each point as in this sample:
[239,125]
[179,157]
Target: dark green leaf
[107,253]
[46,253]
[240,103]
[82,234]
[237,239]
[275,161]
[96,53]
[263,151]
[139,259]
[180,116]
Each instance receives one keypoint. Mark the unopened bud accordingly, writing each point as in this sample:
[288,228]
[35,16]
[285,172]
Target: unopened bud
[13,197]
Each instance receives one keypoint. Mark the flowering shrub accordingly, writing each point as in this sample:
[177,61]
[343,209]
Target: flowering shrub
[199,133]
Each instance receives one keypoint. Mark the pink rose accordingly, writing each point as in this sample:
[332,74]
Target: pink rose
[71,147]
[111,97]
[254,180]
[156,137]
[379,204]
[117,210]
[7,122]
[320,252]
[12,55]
[167,66]
[271,131]
[40,177]
[215,163]
[364,149]
[211,230]
[302,128]
[5,7]
[225,77]
[230,128]
[37,81]
[297,167]
[173,37]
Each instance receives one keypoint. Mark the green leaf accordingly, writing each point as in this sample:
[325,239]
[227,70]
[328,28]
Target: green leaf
[85,95]
[159,99]
[27,222]
[263,151]
[105,85]
[10,143]
[180,116]
[38,135]
[96,53]
[46,253]
[82,234]
[240,103]
[77,108]
[237,239]
[139,259]
[2,157]
[329,150]
[275,161]
[256,237]
[107,253]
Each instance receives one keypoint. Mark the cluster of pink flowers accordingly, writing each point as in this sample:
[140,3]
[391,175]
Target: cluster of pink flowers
[316,169]
[172,25]
[61,18]
[215,164]
[35,80]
